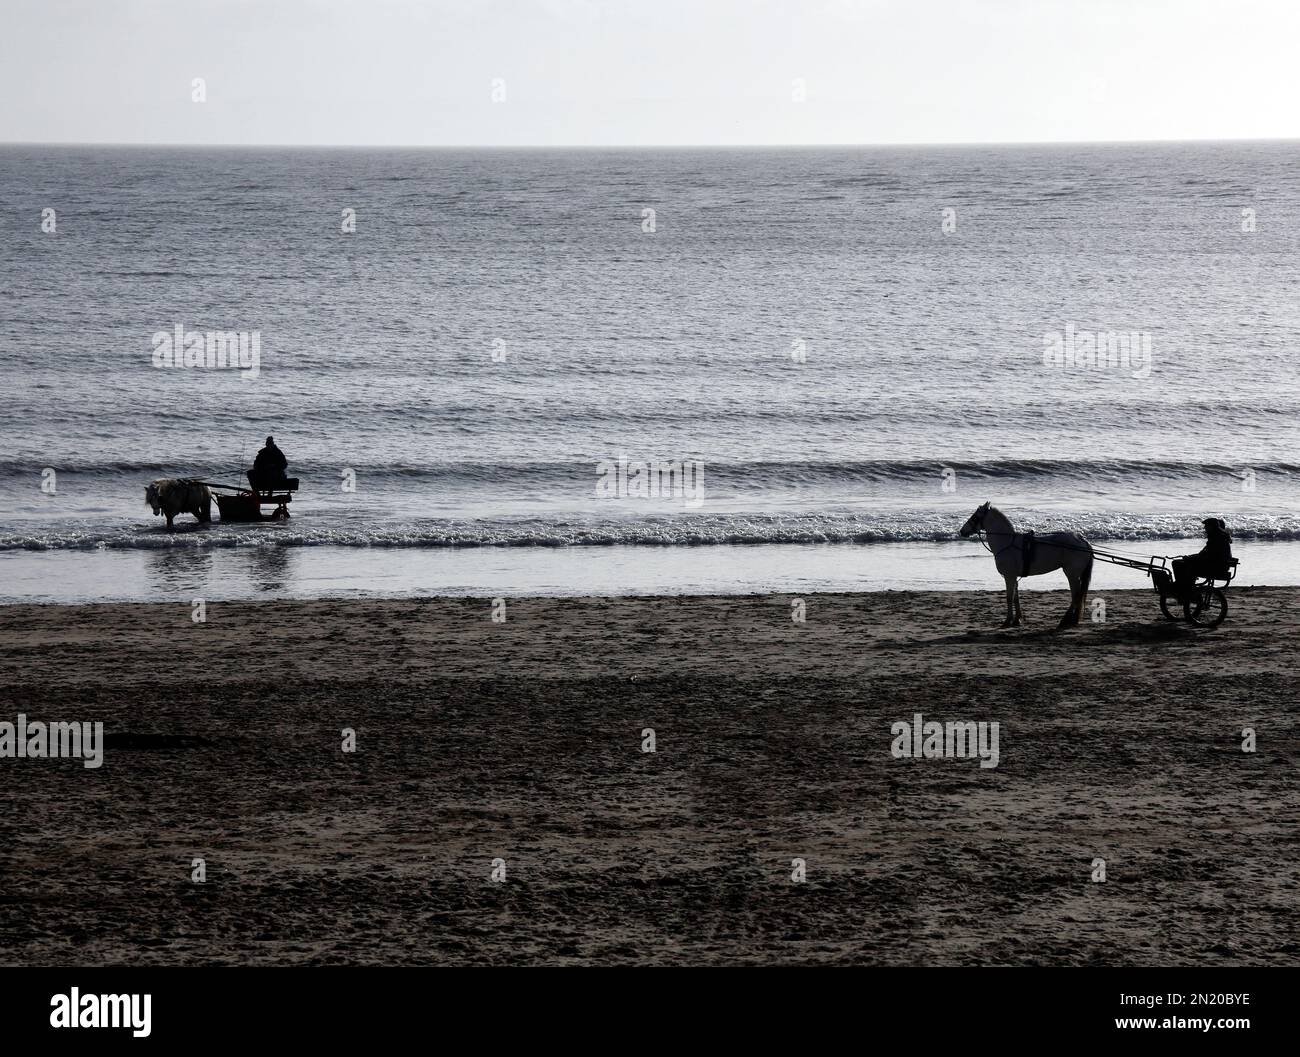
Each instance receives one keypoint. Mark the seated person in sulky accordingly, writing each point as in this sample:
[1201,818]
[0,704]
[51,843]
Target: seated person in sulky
[1212,560]
[268,468]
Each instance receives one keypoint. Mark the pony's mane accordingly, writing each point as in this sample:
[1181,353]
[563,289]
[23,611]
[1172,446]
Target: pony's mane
[994,510]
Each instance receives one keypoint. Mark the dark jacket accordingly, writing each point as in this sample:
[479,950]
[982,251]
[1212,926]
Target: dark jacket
[270,461]
[1217,551]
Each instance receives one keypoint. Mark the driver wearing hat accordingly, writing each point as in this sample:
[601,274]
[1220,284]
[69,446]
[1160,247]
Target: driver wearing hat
[1210,560]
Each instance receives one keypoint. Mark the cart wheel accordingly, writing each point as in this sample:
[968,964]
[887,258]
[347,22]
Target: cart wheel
[1168,601]
[1208,609]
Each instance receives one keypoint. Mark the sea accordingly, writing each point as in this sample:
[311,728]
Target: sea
[633,371]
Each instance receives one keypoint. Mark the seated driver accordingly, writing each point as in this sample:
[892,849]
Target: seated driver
[1210,560]
[268,468]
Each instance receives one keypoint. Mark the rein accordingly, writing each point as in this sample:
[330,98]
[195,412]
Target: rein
[1027,548]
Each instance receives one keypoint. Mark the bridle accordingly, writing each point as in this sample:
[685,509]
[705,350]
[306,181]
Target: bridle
[979,532]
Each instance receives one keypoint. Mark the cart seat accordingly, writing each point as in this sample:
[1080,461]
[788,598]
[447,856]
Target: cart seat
[1223,572]
[288,484]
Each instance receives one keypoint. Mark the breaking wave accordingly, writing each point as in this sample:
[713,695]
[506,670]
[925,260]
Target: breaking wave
[690,529]
[754,473]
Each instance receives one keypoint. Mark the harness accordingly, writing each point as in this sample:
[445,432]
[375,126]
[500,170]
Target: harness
[1026,548]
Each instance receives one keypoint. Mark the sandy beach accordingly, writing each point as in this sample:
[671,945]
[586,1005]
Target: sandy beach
[522,741]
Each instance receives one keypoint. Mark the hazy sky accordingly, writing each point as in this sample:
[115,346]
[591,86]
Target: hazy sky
[611,72]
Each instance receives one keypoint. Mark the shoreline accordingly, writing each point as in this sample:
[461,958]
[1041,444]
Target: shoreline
[317,573]
[1041,595]
[523,742]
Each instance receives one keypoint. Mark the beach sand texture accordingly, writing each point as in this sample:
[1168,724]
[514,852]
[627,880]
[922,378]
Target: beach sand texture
[522,741]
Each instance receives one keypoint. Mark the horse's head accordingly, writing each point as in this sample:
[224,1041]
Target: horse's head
[975,522]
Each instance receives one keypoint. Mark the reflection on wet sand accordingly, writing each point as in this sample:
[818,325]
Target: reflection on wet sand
[183,569]
[270,568]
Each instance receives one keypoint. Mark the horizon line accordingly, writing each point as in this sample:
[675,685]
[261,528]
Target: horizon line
[648,146]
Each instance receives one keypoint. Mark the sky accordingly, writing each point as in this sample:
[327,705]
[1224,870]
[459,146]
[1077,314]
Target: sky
[646,72]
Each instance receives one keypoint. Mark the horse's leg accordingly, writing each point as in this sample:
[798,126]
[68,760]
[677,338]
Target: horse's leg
[1071,617]
[1083,577]
[1012,602]
[1017,603]
[170,515]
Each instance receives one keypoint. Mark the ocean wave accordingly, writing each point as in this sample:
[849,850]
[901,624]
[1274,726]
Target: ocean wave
[760,473]
[686,530]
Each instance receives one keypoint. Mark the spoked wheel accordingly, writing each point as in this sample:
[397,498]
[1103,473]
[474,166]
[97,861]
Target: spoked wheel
[1171,608]
[1208,608]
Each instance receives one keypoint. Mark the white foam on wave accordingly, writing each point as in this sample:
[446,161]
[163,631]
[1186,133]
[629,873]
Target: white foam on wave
[686,530]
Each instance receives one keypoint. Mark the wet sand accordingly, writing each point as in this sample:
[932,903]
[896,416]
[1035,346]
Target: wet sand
[522,741]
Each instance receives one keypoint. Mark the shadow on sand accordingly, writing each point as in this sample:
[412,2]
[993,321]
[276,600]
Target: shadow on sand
[1114,633]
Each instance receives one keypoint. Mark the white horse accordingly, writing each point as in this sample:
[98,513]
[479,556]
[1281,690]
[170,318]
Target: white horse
[1018,554]
[180,495]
